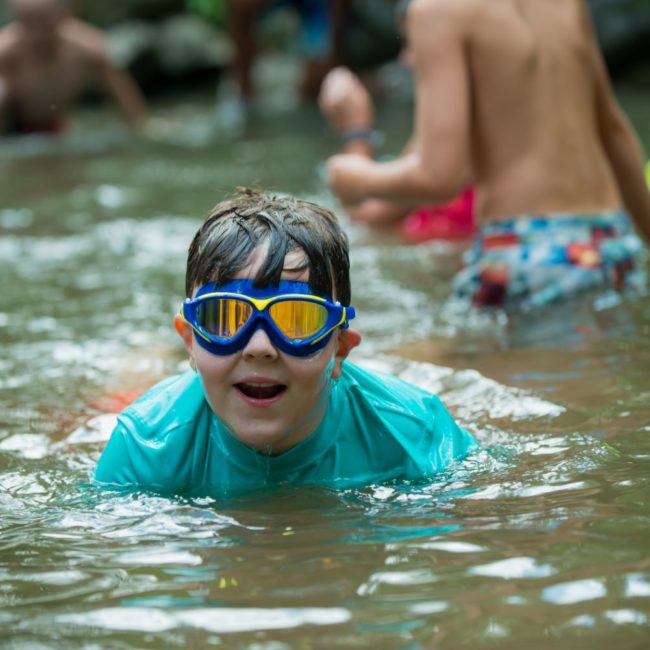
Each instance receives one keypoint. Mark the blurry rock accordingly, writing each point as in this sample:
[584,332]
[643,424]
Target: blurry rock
[179,50]
[130,40]
[132,45]
[373,37]
[186,43]
[623,28]
[110,12]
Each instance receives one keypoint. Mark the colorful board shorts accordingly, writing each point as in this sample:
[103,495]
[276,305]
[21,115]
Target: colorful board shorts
[531,261]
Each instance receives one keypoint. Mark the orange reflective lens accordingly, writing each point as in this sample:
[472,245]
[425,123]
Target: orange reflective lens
[298,319]
[224,317]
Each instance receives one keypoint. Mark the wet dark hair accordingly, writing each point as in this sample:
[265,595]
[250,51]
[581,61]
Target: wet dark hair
[236,227]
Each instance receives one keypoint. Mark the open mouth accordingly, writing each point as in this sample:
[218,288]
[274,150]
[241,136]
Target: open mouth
[261,391]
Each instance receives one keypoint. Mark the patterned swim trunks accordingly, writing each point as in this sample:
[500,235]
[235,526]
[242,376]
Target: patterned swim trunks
[531,261]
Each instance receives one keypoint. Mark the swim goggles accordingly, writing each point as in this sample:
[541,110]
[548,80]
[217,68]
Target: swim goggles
[224,318]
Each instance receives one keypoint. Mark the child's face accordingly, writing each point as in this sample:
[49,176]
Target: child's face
[269,399]
[39,20]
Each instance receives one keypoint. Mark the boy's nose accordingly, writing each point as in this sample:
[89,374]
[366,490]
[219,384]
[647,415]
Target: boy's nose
[260,346]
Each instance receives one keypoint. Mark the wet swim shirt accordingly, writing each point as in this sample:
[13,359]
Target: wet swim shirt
[376,428]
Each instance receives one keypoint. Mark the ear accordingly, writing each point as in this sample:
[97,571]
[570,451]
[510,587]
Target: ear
[348,339]
[185,332]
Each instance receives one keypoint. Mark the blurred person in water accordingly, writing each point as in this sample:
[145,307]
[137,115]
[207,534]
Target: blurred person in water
[272,398]
[48,59]
[320,40]
[347,105]
[515,97]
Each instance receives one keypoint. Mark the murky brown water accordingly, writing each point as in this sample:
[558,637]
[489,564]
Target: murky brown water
[541,540]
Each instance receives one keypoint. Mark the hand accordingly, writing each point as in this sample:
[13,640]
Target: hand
[347,175]
[344,101]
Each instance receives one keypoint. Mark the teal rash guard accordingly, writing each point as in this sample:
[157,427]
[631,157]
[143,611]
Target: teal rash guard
[376,428]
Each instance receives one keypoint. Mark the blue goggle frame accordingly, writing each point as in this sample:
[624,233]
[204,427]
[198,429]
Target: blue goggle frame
[261,299]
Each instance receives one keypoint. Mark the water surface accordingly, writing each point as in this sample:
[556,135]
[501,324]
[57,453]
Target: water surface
[539,540]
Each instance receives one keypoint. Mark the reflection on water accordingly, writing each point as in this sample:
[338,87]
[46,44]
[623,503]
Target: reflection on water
[541,538]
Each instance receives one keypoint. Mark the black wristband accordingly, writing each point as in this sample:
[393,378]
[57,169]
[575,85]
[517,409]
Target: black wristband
[371,136]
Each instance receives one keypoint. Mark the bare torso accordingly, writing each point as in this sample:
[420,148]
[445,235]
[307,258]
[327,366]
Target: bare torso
[513,96]
[41,88]
[536,146]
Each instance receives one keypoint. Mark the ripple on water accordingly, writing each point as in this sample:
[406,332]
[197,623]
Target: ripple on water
[514,567]
[467,392]
[568,593]
[224,619]
[637,585]
[626,617]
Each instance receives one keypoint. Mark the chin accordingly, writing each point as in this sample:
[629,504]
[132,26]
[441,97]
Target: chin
[260,440]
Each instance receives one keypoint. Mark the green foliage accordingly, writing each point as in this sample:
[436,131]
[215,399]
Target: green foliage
[215,10]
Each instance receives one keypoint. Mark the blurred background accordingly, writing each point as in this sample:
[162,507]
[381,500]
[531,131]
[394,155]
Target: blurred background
[172,45]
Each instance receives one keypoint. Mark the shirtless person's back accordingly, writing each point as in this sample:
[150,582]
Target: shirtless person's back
[47,60]
[514,95]
[537,146]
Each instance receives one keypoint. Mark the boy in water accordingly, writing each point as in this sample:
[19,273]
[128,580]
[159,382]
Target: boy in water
[515,97]
[48,59]
[266,327]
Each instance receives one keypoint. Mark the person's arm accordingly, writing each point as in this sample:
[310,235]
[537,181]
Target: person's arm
[347,106]
[3,104]
[4,87]
[117,84]
[380,212]
[621,143]
[437,168]
[122,89]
